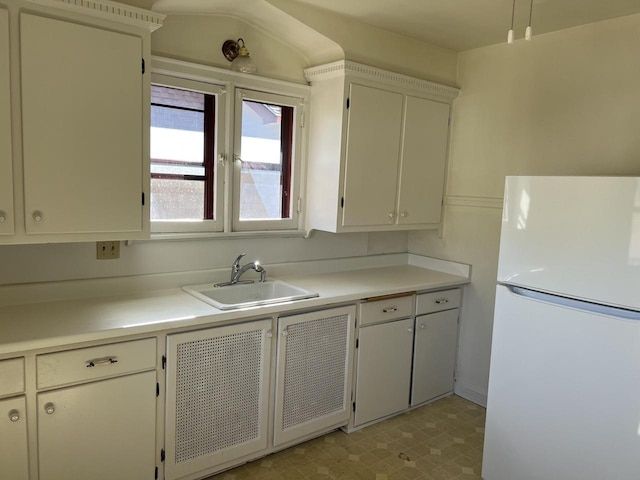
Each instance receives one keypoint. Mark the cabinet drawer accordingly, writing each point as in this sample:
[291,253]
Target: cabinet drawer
[377,311]
[438,301]
[95,362]
[11,376]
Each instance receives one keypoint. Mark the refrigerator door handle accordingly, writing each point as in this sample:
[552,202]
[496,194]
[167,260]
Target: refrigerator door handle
[590,307]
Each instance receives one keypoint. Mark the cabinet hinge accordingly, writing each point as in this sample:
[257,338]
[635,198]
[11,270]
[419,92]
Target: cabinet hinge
[156,474]
[164,362]
[354,406]
[143,67]
[299,208]
[348,102]
[342,202]
[143,199]
[162,455]
[449,121]
[357,342]
[157,389]
[302,119]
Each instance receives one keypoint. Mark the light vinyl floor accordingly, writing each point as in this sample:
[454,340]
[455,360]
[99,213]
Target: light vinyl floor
[439,441]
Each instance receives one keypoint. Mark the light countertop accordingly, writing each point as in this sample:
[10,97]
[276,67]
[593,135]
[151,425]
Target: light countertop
[62,323]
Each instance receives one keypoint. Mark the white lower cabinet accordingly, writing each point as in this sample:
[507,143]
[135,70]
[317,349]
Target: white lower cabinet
[217,397]
[383,379]
[103,430]
[14,464]
[313,381]
[434,355]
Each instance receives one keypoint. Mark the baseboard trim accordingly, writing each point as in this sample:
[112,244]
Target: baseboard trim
[470,394]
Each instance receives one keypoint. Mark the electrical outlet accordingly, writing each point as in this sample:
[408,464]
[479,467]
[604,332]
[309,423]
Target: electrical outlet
[107,250]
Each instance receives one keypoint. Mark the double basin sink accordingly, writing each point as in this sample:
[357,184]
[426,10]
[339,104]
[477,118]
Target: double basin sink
[243,295]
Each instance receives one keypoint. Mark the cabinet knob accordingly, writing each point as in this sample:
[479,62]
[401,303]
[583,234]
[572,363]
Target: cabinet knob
[422,326]
[37,216]
[392,215]
[49,408]
[404,214]
[14,415]
[410,330]
[3,216]
[269,334]
[285,333]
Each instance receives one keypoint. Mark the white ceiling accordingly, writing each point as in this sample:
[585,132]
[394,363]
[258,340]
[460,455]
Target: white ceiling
[466,24]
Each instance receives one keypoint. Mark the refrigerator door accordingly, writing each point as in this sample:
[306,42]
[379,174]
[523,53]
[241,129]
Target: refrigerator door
[564,393]
[573,236]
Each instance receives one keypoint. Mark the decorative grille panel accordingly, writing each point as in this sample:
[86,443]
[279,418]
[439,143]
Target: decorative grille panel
[218,383]
[314,376]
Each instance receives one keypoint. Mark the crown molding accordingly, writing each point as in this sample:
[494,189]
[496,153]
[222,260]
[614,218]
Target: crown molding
[105,9]
[343,68]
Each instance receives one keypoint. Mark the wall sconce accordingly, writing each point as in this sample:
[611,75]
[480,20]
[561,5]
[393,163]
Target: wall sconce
[238,55]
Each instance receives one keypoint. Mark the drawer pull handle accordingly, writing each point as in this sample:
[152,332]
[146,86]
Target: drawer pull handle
[101,361]
[14,415]
[389,309]
[49,408]
[442,300]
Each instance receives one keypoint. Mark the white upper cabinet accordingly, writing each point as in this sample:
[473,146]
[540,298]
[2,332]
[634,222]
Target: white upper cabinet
[423,161]
[81,171]
[372,152]
[82,128]
[377,149]
[6,169]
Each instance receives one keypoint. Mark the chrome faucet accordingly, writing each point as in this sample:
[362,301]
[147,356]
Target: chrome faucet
[237,271]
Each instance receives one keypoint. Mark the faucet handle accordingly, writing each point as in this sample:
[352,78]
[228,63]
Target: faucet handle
[236,262]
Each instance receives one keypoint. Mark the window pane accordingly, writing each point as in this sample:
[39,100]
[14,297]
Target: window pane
[178,170]
[265,170]
[177,199]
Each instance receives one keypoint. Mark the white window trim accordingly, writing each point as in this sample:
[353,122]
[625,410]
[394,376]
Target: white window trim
[180,74]
[220,92]
[266,225]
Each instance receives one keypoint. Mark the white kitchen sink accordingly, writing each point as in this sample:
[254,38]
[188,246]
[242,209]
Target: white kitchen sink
[243,295]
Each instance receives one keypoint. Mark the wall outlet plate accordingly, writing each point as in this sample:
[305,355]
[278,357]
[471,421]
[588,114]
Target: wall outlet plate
[107,250]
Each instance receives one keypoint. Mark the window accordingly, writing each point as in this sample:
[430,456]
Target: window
[184,142]
[265,147]
[218,172]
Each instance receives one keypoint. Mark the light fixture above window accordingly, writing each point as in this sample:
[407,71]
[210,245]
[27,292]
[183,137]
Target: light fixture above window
[238,55]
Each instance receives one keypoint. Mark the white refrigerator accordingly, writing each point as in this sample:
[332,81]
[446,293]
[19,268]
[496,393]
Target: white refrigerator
[564,385]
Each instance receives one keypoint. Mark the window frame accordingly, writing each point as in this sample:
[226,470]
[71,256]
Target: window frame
[224,84]
[219,93]
[297,104]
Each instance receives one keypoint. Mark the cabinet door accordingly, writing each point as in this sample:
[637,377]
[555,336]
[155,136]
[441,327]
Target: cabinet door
[372,155]
[424,156]
[6,161]
[313,383]
[82,128]
[99,431]
[217,396]
[14,464]
[384,370]
[435,355]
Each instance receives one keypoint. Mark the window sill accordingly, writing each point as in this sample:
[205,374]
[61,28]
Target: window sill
[182,236]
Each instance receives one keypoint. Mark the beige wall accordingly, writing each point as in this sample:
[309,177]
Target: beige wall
[199,39]
[372,46]
[566,103]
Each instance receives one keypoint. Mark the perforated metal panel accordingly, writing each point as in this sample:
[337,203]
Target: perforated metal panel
[315,369]
[218,383]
